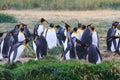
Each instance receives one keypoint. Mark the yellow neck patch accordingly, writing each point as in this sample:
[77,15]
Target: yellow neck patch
[20,32]
[75,33]
[40,25]
[51,29]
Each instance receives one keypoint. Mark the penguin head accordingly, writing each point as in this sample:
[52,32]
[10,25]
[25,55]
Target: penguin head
[68,28]
[42,20]
[114,24]
[17,26]
[36,36]
[26,41]
[1,34]
[89,26]
[11,33]
[58,26]
[79,25]
[21,29]
[24,25]
[118,26]
[83,27]
[75,29]
[92,28]
[51,25]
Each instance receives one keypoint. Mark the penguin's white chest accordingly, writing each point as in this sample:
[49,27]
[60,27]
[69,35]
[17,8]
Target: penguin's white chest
[19,52]
[21,37]
[40,29]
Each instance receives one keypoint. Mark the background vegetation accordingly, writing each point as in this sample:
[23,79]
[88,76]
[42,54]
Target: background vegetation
[4,18]
[60,4]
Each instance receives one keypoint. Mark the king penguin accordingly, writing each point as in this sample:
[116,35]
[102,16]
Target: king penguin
[7,44]
[60,34]
[16,51]
[39,28]
[95,38]
[26,31]
[51,37]
[21,35]
[111,44]
[1,56]
[94,55]
[40,46]
[69,48]
[75,33]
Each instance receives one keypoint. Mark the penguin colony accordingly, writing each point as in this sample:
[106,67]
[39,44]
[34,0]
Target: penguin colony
[80,42]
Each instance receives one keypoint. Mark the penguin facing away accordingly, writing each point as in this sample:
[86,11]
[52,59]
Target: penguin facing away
[17,50]
[94,55]
[40,46]
[60,34]
[7,44]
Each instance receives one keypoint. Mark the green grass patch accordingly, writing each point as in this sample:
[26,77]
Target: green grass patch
[4,18]
[53,69]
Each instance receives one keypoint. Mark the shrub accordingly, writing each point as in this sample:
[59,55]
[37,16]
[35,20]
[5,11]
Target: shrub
[4,18]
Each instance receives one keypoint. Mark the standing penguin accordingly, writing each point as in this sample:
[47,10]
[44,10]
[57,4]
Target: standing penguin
[21,35]
[81,31]
[75,33]
[38,29]
[51,37]
[26,31]
[17,50]
[40,46]
[1,45]
[69,48]
[94,55]
[60,34]
[7,44]
[95,39]
[111,44]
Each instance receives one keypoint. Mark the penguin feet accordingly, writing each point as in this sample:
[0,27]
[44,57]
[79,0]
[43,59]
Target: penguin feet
[36,59]
[19,62]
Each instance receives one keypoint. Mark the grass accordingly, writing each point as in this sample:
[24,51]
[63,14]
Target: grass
[60,4]
[49,68]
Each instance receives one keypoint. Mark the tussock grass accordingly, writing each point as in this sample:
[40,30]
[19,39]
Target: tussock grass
[49,68]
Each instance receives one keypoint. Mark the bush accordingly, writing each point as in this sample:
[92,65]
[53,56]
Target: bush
[4,18]
[57,70]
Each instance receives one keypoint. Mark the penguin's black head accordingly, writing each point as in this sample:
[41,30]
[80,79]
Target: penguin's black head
[24,25]
[92,28]
[21,29]
[36,36]
[83,27]
[58,26]
[51,25]
[114,24]
[11,33]
[1,34]
[17,26]
[26,40]
[67,27]
[79,25]
[89,26]
[75,29]
[42,20]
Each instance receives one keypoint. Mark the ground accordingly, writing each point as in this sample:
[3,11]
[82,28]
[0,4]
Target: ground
[101,18]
